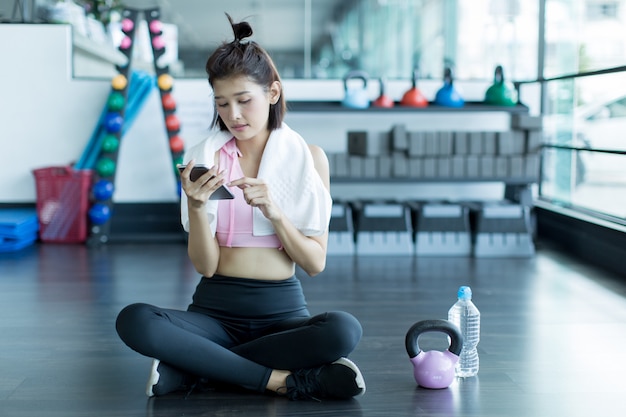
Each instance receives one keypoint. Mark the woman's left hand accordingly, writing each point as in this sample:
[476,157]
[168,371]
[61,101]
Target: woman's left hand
[257,194]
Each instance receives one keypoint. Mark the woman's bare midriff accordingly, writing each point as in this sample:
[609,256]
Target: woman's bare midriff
[258,263]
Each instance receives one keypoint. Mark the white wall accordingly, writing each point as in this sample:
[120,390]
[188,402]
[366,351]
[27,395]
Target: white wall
[45,115]
[47,118]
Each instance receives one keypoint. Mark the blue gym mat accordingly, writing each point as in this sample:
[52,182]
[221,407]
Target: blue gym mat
[18,228]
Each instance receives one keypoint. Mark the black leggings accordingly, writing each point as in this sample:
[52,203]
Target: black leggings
[237,330]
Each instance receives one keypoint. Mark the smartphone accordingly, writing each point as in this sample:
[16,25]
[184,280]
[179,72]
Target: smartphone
[197,171]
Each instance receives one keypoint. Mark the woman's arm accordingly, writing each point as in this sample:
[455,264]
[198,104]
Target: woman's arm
[308,252]
[202,246]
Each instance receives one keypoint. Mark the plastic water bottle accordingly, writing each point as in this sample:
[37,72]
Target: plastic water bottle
[467,317]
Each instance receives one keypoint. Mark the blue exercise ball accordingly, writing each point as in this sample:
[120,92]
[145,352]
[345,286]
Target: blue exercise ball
[113,122]
[103,190]
[99,213]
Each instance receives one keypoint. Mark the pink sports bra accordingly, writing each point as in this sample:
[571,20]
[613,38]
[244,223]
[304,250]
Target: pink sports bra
[234,217]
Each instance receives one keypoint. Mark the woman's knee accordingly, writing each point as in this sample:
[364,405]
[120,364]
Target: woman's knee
[345,329]
[132,323]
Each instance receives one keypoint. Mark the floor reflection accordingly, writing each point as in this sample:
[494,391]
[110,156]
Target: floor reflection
[461,398]
[246,404]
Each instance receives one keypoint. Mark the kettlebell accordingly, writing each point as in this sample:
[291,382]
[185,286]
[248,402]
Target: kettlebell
[413,97]
[501,93]
[434,369]
[356,97]
[448,95]
[383,100]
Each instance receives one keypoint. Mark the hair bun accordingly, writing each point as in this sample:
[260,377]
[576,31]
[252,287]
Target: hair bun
[241,30]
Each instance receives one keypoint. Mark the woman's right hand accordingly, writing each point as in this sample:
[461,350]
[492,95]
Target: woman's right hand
[199,191]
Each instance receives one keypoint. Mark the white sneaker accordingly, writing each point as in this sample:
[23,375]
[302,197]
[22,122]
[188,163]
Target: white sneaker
[153,379]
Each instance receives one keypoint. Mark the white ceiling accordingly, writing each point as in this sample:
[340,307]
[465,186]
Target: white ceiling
[278,25]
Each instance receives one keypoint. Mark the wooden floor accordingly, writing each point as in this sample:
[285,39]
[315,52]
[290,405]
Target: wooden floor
[553,334]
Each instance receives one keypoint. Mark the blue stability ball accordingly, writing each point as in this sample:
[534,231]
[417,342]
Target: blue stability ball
[113,122]
[103,190]
[99,213]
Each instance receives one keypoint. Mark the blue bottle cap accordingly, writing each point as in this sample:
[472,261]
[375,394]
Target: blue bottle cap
[465,293]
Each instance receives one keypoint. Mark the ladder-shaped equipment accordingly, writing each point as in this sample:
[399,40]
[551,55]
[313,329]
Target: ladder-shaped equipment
[103,184]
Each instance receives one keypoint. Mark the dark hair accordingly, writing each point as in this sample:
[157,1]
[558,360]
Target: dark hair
[247,58]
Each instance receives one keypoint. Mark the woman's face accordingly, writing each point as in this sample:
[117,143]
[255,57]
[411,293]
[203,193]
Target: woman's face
[243,105]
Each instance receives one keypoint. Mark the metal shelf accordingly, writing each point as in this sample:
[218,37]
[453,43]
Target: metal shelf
[335,106]
[404,180]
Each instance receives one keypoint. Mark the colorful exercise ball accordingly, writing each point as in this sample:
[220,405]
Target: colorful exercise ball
[177,144]
[119,82]
[105,167]
[155,26]
[103,190]
[110,143]
[168,102]
[126,42]
[99,213]
[113,122]
[127,25]
[172,123]
[116,101]
[158,42]
[165,82]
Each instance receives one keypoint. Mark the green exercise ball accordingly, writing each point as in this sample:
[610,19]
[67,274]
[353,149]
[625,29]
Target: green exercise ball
[110,143]
[116,101]
[105,167]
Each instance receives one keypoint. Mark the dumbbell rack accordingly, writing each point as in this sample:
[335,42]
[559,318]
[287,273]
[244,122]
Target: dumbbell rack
[101,210]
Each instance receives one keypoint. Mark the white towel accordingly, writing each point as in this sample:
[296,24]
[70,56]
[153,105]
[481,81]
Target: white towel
[287,166]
